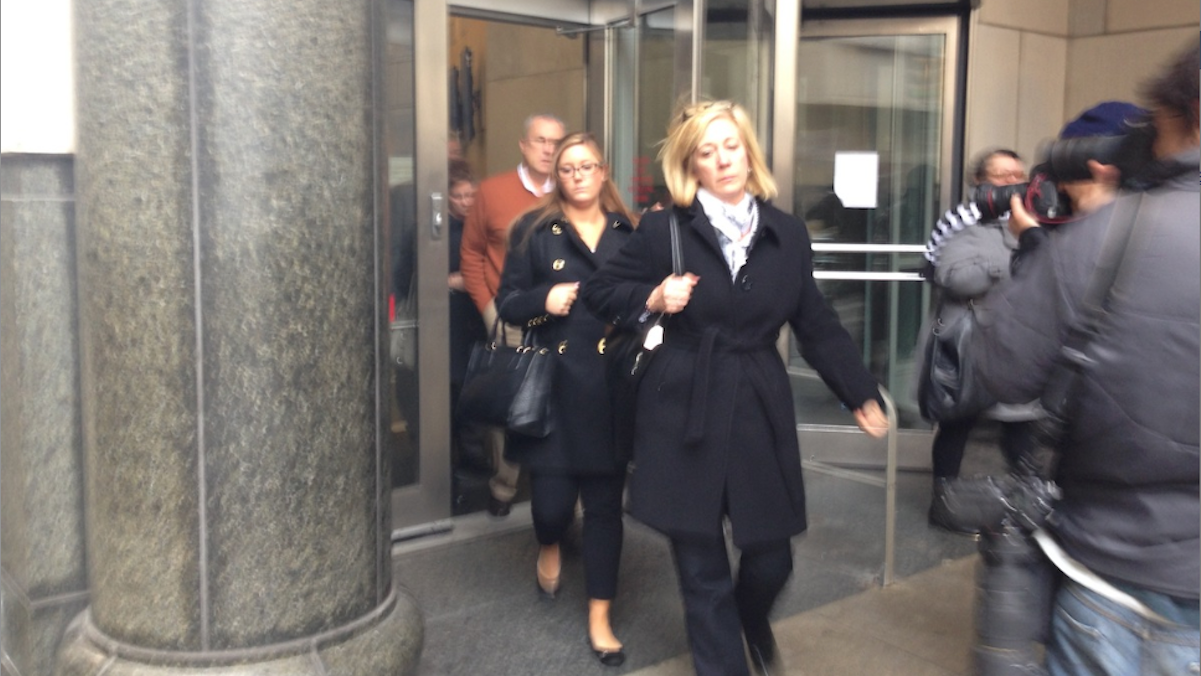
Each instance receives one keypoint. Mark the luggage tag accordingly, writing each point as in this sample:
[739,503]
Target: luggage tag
[654,337]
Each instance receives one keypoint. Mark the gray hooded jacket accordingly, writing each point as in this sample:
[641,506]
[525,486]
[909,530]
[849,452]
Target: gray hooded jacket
[971,256]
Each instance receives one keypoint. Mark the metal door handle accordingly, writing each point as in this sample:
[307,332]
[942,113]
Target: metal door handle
[436,215]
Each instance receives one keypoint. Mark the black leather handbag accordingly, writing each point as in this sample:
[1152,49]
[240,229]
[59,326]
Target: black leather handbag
[509,386]
[949,388]
[628,354]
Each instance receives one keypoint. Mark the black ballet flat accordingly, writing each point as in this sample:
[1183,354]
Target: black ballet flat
[609,658]
[763,652]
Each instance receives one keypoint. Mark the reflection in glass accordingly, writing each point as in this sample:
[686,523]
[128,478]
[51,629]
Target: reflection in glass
[402,412]
[656,96]
[880,94]
[737,51]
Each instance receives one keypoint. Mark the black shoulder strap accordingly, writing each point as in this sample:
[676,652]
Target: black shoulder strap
[1113,252]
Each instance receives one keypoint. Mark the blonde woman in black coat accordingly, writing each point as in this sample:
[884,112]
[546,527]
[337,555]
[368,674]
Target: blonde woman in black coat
[715,435]
[552,248]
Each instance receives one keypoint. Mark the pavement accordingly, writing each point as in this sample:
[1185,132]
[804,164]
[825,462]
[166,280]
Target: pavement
[476,587]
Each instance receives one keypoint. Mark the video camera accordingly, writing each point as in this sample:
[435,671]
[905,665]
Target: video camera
[1015,583]
[988,503]
[1067,160]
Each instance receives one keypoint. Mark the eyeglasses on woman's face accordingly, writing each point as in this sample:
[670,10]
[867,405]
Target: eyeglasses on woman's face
[586,169]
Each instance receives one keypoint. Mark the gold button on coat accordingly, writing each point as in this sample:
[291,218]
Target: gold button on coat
[559,264]
[556,229]
[562,347]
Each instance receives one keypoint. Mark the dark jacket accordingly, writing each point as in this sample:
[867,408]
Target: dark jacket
[1129,470]
[466,325]
[716,431]
[582,440]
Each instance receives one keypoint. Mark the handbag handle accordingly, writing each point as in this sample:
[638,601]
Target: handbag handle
[677,249]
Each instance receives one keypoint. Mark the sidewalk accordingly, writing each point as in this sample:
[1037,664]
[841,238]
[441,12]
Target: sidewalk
[920,626]
[475,586]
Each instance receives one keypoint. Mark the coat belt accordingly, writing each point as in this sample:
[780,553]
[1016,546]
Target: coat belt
[705,345]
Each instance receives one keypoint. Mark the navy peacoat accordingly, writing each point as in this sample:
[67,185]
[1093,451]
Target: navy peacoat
[582,440]
[715,431]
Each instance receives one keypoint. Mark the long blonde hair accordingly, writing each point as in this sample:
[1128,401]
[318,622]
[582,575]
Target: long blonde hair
[550,206]
[688,125]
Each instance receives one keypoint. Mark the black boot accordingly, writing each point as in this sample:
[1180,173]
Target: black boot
[939,515]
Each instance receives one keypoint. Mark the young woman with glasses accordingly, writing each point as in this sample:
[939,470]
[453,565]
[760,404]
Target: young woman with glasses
[554,247]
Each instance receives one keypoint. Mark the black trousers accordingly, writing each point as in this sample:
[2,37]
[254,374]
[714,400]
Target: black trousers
[552,505]
[718,610]
[1017,444]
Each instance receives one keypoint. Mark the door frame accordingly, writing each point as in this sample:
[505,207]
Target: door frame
[426,504]
[842,444]
[424,507]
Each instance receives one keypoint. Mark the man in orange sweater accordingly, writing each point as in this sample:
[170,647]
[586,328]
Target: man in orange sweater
[498,202]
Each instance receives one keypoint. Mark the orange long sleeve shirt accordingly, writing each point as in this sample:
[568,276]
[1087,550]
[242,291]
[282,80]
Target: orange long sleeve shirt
[498,202]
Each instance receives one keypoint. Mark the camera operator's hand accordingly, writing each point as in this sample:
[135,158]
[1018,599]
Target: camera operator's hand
[1108,175]
[1020,220]
[1091,194]
[871,419]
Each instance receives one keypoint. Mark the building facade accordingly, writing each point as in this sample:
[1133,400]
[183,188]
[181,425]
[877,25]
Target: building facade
[205,449]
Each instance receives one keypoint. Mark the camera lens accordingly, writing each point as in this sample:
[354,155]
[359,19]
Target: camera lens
[1067,160]
[993,200]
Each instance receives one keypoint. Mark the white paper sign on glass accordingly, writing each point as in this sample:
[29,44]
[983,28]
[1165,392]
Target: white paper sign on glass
[856,175]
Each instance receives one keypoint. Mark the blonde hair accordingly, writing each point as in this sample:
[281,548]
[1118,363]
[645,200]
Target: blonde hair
[688,126]
[550,206]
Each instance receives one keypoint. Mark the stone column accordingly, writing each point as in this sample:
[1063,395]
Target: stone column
[236,486]
[43,583]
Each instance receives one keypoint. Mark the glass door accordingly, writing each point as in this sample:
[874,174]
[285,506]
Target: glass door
[874,134]
[414,401]
[478,68]
[681,49]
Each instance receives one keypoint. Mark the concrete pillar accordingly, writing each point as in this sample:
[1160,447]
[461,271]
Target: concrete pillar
[237,489]
[43,570]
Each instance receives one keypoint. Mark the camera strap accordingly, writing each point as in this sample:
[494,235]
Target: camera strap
[1080,574]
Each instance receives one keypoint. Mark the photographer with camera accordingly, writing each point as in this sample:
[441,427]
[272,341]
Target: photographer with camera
[968,253]
[1127,529]
[967,261]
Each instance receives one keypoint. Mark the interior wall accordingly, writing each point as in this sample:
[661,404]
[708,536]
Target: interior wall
[1035,64]
[546,75]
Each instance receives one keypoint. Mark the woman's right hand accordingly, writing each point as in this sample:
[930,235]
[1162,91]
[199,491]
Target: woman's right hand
[561,298]
[672,294]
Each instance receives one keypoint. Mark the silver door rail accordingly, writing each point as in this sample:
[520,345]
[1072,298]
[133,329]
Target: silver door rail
[889,484]
[869,248]
[890,490]
[870,276]
[864,276]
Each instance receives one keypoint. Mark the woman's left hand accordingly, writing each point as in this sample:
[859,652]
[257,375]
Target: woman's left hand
[871,419]
[561,298]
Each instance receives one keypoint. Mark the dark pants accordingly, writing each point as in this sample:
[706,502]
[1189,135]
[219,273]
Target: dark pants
[552,505]
[719,610]
[1017,443]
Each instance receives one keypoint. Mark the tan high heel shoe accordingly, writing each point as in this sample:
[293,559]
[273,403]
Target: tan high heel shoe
[548,584]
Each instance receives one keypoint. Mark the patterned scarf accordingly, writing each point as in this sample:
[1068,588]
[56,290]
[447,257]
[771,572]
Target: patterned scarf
[736,226]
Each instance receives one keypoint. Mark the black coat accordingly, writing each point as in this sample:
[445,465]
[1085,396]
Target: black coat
[715,431]
[582,440]
[466,325]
